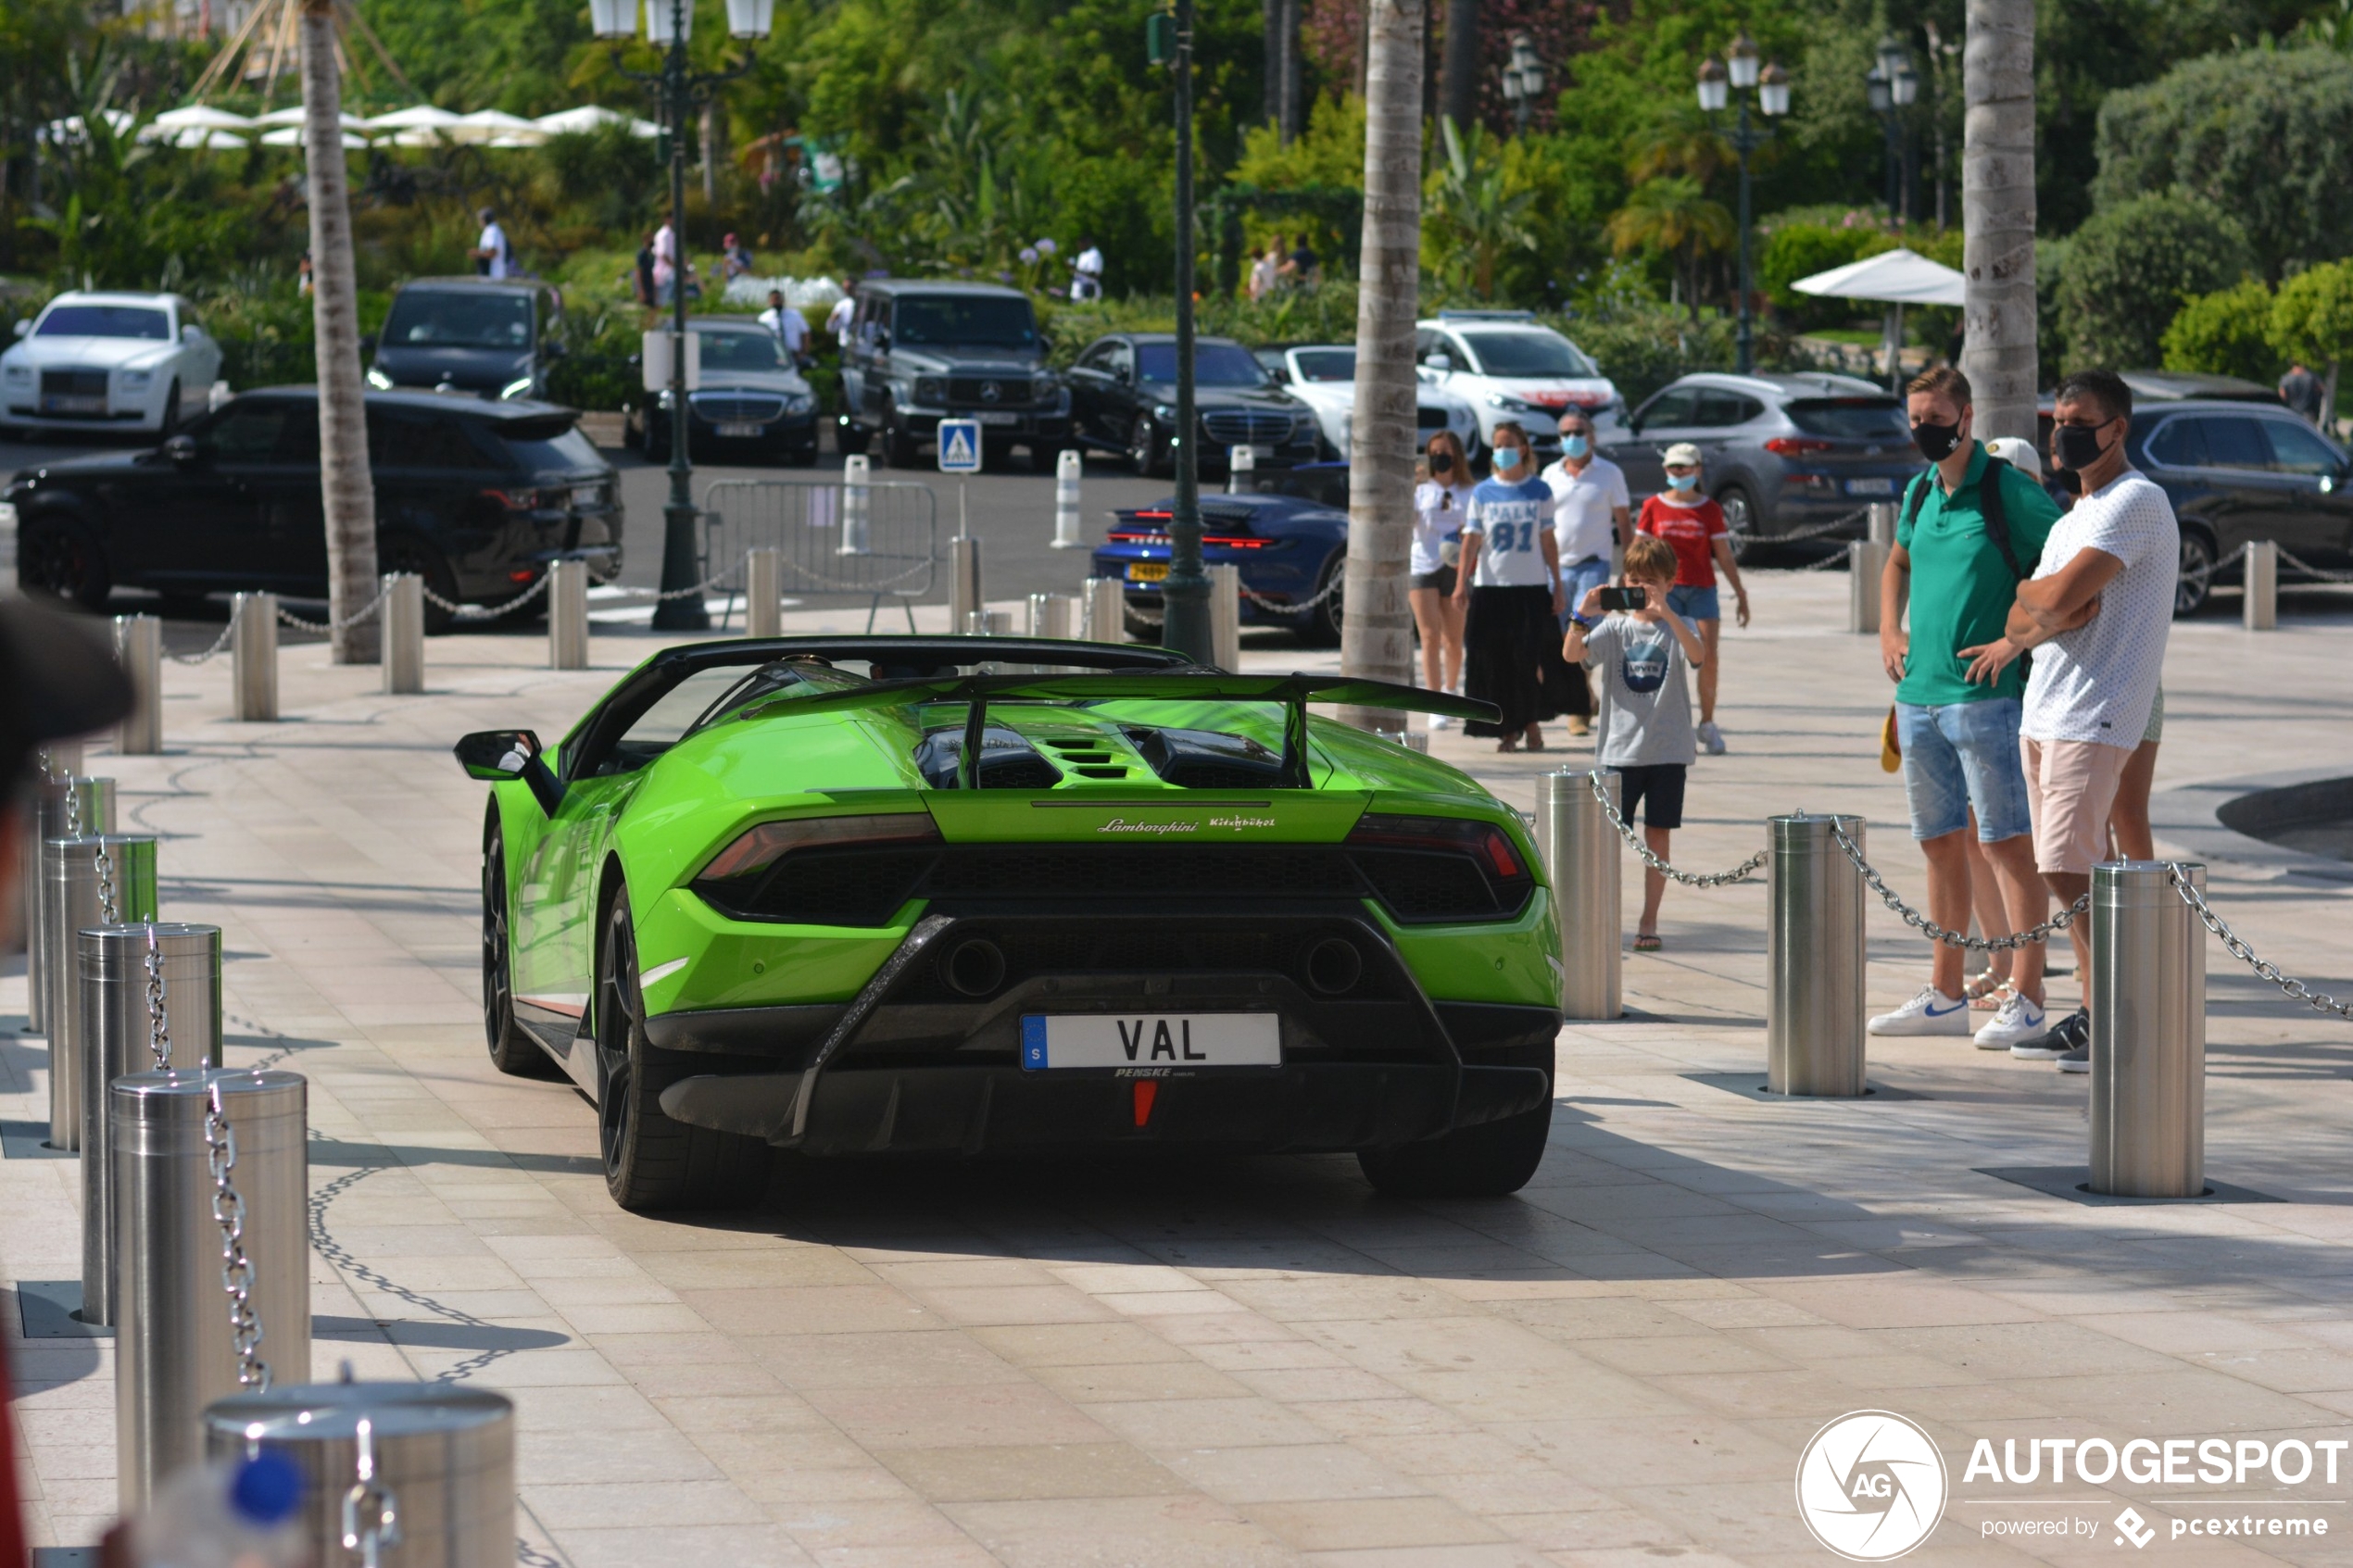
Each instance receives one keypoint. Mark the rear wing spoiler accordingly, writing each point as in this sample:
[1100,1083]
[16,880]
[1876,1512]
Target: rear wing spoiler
[1294,691]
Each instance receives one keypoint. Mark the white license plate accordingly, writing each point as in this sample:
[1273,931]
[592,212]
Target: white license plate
[733,433]
[586,495]
[68,405]
[1261,449]
[997,419]
[1870,487]
[1150,1039]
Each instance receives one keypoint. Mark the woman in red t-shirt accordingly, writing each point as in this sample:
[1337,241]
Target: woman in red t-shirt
[1694,526]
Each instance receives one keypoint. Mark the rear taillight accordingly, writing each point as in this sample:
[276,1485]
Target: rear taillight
[763,846]
[1797,446]
[518,500]
[1484,842]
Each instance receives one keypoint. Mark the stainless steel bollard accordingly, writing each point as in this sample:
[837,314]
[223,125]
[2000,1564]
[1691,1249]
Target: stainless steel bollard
[1240,463]
[1866,561]
[764,592]
[138,644]
[442,1456]
[117,1035]
[51,815]
[1069,469]
[963,580]
[1578,837]
[252,657]
[2260,609]
[1879,522]
[1226,616]
[1414,740]
[403,646]
[1103,610]
[567,616]
[70,895]
[1813,958]
[1051,615]
[857,505]
[989,623]
[2148,1001]
[174,1353]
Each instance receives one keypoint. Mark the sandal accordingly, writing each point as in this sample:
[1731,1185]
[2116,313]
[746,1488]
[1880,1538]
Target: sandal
[1509,743]
[1992,1001]
[1646,942]
[1535,738]
[1984,982]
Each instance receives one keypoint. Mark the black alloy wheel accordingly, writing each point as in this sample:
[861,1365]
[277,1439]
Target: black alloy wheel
[897,443]
[652,1162]
[1146,452]
[64,559]
[1321,626]
[1740,522]
[2195,584]
[512,1049]
[169,426]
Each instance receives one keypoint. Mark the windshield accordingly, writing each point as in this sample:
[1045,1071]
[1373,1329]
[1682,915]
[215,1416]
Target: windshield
[1325,364]
[742,351]
[1852,419]
[1528,354]
[105,320]
[1214,364]
[973,320]
[429,319]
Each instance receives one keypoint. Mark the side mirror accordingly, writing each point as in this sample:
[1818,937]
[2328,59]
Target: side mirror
[1441,363]
[180,450]
[24,326]
[495,755]
[367,343]
[192,333]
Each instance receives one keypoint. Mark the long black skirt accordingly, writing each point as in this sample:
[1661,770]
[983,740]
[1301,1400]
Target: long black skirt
[1512,657]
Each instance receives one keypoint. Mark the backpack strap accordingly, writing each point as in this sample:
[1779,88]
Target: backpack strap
[1917,495]
[1997,522]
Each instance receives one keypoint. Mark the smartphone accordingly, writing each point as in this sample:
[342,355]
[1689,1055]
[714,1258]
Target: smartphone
[1624,599]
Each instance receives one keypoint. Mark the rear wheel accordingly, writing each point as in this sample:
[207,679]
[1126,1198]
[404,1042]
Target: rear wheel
[1740,522]
[652,1162]
[66,560]
[1321,627]
[1488,1161]
[169,424]
[898,444]
[2195,584]
[1145,449]
[511,1048]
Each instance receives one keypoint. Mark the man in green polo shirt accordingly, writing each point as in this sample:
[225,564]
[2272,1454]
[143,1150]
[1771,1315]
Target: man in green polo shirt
[1956,718]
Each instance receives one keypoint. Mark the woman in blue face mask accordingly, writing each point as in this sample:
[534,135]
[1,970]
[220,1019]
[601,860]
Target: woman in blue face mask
[1688,520]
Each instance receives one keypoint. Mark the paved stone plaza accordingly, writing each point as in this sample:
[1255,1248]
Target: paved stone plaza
[1257,1362]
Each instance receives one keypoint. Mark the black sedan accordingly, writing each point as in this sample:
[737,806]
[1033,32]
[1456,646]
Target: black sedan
[751,402]
[478,499]
[1123,398]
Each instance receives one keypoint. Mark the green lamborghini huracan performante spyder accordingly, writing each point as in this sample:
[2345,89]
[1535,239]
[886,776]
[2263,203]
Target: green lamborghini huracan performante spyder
[854,895]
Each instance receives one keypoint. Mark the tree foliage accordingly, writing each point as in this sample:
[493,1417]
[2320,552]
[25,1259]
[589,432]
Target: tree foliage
[2130,268]
[2227,332]
[2312,317]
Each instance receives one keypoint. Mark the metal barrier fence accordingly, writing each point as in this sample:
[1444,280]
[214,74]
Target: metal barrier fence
[804,523]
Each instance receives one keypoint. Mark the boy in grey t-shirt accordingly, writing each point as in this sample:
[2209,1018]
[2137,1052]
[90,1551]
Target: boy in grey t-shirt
[1647,733]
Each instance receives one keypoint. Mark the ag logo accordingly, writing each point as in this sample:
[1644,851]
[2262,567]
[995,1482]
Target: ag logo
[2133,1527]
[1870,1486]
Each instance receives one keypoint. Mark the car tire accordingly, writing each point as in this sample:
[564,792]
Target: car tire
[168,425]
[401,553]
[1147,453]
[899,445]
[1322,627]
[1740,522]
[651,1162]
[67,562]
[1491,1160]
[513,1049]
[2195,587]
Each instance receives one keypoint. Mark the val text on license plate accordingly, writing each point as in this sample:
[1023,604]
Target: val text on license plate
[741,432]
[1870,487]
[1147,571]
[1151,1040]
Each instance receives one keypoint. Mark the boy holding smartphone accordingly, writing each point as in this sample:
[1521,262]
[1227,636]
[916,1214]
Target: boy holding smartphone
[1641,651]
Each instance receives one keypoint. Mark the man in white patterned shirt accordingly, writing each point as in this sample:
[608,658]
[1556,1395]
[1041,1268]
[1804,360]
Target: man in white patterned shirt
[2098,612]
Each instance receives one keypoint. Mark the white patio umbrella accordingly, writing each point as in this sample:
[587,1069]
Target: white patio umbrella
[489,125]
[292,115]
[200,117]
[200,140]
[571,122]
[416,116]
[1895,278]
[291,136]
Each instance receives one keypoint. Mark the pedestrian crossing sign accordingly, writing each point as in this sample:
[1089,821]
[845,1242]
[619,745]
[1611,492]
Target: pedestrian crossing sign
[960,446]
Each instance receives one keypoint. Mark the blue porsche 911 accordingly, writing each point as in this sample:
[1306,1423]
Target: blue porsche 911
[1290,536]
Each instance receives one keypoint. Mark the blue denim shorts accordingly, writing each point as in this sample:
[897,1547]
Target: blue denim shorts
[1693,603]
[1961,754]
[1579,578]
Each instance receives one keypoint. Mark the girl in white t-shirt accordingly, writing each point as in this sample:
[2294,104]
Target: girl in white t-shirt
[1439,503]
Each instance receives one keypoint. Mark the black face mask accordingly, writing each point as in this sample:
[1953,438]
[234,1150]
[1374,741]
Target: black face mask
[2067,480]
[1441,462]
[1937,442]
[2076,447]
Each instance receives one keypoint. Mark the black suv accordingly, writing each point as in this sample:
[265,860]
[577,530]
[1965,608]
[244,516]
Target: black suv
[2237,471]
[922,352]
[489,336]
[477,498]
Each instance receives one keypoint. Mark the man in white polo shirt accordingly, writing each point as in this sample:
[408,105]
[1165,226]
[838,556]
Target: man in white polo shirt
[1591,516]
[2097,613]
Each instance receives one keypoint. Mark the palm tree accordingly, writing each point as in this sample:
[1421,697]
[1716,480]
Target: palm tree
[345,483]
[1675,215]
[1377,634]
[1477,213]
[1998,216]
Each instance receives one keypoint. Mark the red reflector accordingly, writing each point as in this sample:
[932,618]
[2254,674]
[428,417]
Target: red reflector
[1147,1090]
[1499,853]
[1235,544]
[521,576]
[1796,445]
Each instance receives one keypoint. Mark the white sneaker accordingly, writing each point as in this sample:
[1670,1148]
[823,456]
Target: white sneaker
[2017,1019]
[1930,1013]
[1441,722]
[1712,739]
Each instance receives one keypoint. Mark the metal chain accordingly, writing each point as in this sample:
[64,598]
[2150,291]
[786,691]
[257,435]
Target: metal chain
[371,1511]
[489,612]
[713,580]
[2294,990]
[1936,933]
[1741,873]
[2307,567]
[108,913]
[333,626]
[220,646]
[1299,606]
[1816,531]
[158,1021]
[236,1269]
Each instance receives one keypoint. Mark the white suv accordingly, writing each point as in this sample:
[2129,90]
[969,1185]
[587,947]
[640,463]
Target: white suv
[1509,365]
[94,361]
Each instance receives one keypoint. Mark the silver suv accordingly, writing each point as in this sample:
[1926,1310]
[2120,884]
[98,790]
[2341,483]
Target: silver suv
[1785,455]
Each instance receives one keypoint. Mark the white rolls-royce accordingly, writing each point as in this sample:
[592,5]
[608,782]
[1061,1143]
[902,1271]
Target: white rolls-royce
[108,361]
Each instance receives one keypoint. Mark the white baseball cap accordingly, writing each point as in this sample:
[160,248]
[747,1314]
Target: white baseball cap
[2018,453]
[1680,453]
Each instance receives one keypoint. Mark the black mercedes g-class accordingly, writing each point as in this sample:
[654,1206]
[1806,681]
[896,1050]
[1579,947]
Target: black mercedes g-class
[923,351]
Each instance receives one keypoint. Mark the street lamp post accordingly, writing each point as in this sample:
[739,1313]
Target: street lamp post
[1892,86]
[1523,77]
[682,91]
[1183,597]
[1771,87]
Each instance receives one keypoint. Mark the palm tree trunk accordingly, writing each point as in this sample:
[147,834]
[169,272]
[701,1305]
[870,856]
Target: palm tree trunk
[345,483]
[1998,216]
[1376,633]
